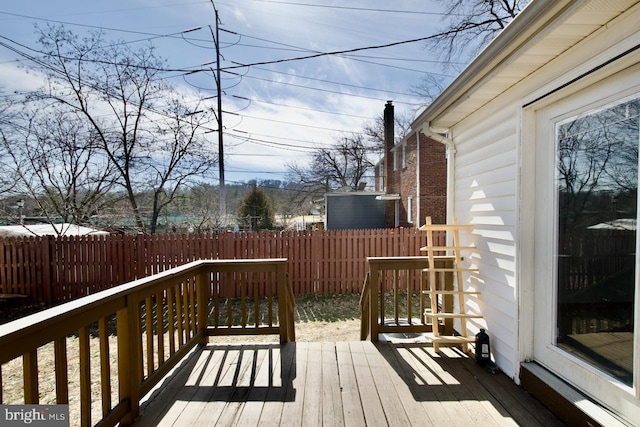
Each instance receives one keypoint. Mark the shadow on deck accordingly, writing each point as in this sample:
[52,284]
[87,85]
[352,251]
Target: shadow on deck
[345,383]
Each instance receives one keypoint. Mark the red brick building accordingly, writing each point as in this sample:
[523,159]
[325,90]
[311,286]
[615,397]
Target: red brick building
[413,176]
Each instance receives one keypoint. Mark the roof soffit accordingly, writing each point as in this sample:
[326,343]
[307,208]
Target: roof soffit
[525,46]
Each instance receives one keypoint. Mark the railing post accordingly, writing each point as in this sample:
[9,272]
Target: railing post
[374,293]
[128,330]
[30,375]
[364,308]
[283,296]
[202,297]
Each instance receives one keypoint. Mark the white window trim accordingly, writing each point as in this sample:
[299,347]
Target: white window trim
[404,156]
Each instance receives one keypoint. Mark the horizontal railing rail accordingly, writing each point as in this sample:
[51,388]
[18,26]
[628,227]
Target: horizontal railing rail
[393,298]
[116,345]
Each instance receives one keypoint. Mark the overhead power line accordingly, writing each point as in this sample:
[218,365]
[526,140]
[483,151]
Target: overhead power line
[357,58]
[413,95]
[359,9]
[339,52]
[299,107]
[337,91]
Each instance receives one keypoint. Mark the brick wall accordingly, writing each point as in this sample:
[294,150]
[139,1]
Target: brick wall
[433,182]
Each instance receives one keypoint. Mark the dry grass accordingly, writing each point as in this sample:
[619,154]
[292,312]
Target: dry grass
[12,380]
[317,318]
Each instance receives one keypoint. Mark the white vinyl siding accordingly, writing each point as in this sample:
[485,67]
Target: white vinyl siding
[498,185]
[485,196]
[488,164]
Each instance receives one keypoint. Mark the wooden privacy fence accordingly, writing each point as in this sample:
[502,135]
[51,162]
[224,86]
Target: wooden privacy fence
[56,269]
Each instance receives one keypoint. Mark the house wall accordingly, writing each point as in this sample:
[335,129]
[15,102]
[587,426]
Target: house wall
[486,196]
[378,180]
[432,174]
[492,160]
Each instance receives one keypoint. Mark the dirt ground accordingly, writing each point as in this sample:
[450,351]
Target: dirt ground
[318,318]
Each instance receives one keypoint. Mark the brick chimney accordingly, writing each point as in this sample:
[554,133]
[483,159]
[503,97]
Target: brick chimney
[388,127]
[389,141]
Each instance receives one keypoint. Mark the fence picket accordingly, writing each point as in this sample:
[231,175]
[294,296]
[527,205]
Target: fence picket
[57,269]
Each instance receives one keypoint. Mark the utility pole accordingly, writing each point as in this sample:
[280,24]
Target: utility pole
[223,191]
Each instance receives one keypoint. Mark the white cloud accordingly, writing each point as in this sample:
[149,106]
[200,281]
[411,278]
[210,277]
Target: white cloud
[256,24]
[17,78]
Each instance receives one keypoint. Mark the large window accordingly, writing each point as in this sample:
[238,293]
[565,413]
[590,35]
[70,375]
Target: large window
[597,186]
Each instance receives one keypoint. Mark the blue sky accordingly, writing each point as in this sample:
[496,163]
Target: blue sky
[274,113]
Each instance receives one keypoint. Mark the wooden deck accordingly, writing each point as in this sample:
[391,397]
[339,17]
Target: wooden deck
[337,384]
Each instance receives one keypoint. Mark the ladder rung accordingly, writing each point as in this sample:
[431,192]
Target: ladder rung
[446,248]
[443,227]
[452,292]
[454,339]
[453,315]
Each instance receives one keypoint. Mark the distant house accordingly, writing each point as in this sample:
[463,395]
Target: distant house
[413,176]
[543,131]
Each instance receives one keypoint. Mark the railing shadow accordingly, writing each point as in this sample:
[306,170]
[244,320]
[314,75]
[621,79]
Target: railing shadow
[226,373]
[449,375]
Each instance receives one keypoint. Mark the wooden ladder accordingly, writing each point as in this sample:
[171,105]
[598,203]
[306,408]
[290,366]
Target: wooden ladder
[436,314]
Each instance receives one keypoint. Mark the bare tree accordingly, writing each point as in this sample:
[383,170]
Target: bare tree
[374,130]
[471,26]
[342,167]
[58,165]
[153,135]
[179,156]
[474,23]
[8,179]
[598,165]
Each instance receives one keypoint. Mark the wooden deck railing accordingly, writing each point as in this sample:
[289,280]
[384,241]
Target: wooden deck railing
[119,343]
[392,298]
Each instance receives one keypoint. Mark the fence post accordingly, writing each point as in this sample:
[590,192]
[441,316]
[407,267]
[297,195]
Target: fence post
[47,269]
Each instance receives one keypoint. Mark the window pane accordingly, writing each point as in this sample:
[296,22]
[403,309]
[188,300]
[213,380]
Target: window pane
[597,181]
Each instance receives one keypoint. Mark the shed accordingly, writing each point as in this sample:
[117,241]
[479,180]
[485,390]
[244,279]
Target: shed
[355,210]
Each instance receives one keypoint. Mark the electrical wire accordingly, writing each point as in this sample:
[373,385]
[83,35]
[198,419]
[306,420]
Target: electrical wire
[337,52]
[335,83]
[300,86]
[359,9]
[200,68]
[298,107]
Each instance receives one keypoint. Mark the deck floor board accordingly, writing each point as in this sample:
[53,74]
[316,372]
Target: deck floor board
[337,384]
